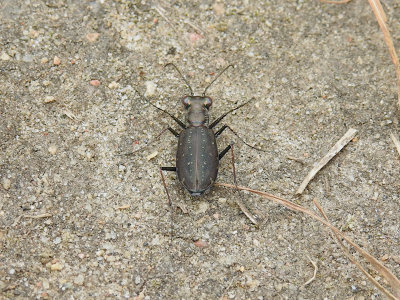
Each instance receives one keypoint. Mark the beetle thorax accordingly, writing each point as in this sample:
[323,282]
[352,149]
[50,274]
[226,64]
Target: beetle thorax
[197,110]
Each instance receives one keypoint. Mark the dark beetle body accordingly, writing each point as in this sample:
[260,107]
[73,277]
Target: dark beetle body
[197,159]
[197,154]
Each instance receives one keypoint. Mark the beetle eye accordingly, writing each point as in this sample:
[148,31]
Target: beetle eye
[186,101]
[207,102]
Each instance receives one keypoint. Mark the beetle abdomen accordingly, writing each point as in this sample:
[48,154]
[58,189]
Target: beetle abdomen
[197,159]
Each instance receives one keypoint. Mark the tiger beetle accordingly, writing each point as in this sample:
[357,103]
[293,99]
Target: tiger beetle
[197,157]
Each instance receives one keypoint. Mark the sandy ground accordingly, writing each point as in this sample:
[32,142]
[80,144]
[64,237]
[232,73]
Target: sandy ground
[78,220]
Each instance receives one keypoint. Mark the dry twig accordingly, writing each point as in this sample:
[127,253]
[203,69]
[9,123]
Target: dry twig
[395,140]
[335,2]
[41,216]
[122,207]
[295,159]
[161,11]
[349,135]
[315,272]
[381,18]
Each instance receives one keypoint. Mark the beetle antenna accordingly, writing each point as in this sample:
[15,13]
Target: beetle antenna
[204,93]
[183,77]
[163,110]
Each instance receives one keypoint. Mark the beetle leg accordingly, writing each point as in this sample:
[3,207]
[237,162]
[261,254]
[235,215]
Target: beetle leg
[163,180]
[169,198]
[173,132]
[171,169]
[219,131]
[223,152]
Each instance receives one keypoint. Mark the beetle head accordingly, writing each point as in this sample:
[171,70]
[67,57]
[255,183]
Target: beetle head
[197,107]
[196,102]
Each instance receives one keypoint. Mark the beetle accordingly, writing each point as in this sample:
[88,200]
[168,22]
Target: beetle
[197,157]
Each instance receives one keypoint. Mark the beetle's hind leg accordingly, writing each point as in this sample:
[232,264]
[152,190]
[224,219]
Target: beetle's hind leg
[172,169]
[240,201]
[170,204]
[171,209]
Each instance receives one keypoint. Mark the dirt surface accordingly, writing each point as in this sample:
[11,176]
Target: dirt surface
[78,220]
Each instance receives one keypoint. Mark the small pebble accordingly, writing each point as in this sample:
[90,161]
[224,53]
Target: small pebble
[222,200]
[57,240]
[113,85]
[6,183]
[66,286]
[5,56]
[203,207]
[137,280]
[11,271]
[385,257]
[44,60]
[152,155]
[194,37]
[278,287]
[92,37]
[88,207]
[49,99]
[150,88]
[201,244]
[53,149]
[252,283]
[56,267]
[94,82]
[79,280]
[155,241]
[27,58]
[45,284]
[56,61]
[227,260]
[218,8]
[110,258]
